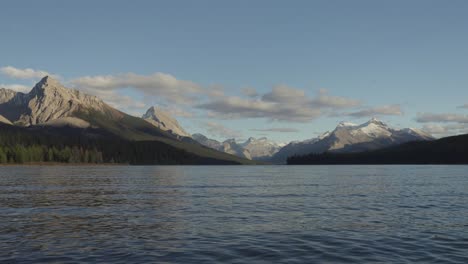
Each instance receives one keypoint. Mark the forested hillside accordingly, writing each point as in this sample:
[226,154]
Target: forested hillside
[450,150]
[39,144]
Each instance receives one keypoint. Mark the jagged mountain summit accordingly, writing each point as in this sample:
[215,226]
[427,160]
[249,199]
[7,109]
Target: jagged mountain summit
[252,148]
[47,101]
[208,142]
[228,146]
[164,121]
[349,137]
[261,148]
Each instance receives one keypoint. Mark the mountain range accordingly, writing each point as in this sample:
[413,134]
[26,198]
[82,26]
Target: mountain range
[51,110]
[252,148]
[449,150]
[349,137]
[346,137]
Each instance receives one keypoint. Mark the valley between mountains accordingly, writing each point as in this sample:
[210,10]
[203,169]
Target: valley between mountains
[53,123]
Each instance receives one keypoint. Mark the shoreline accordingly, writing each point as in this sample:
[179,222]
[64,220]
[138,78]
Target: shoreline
[62,164]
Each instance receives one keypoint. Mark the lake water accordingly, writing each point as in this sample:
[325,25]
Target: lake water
[234,214]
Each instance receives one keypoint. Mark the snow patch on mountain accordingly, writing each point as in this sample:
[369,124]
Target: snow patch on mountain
[252,148]
[349,137]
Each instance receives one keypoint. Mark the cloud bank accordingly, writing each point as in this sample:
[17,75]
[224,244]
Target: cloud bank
[276,129]
[441,118]
[157,84]
[378,111]
[28,73]
[221,131]
[282,103]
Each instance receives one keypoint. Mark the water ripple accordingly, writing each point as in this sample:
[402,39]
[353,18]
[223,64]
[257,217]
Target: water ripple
[252,214]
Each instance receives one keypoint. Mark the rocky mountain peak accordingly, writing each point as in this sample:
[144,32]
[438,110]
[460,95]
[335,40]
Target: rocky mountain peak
[47,84]
[48,100]
[6,95]
[198,136]
[375,121]
[230,141]
[164,121]
[348,137]
[151,112]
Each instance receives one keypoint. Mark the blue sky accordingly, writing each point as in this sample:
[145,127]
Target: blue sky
[311,64]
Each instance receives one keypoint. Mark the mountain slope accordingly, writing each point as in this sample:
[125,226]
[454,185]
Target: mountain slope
[255,149]
[49,104]
[90,145]
[211,143]
[48,100]
[450,150]
[164,121]
[261,148]
[230,146]
[348,137]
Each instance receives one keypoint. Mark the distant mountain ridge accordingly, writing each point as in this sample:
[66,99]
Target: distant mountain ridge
[349,137]
[252,148]
[449,150]
[51,105]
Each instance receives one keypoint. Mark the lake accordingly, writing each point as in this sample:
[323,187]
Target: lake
[234,214]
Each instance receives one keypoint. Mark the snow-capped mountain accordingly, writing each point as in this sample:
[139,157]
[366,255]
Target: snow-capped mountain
[256,149]
[164,121]
[260,148]
[349,137]
[230,146]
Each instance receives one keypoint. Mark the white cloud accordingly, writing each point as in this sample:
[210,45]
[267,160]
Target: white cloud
[236,107]
[27,73]
[181,97]
[285,94]
[445,130]
[378,111]
[177,111]
[250,92]
[157,84]
[276,129]
[441,118]
[282,103]
[124,102]
[16,87]
[221,131]
[323,99]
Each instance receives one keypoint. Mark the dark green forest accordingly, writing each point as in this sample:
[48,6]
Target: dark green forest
[70,145]
[450,150]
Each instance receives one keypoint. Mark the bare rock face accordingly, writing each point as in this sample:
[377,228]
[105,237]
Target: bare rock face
[349,137]
[49,100]
[7,95]
[254,149]
[208,142]
[164,121]
[4,120]
[260,148]
[230,146]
